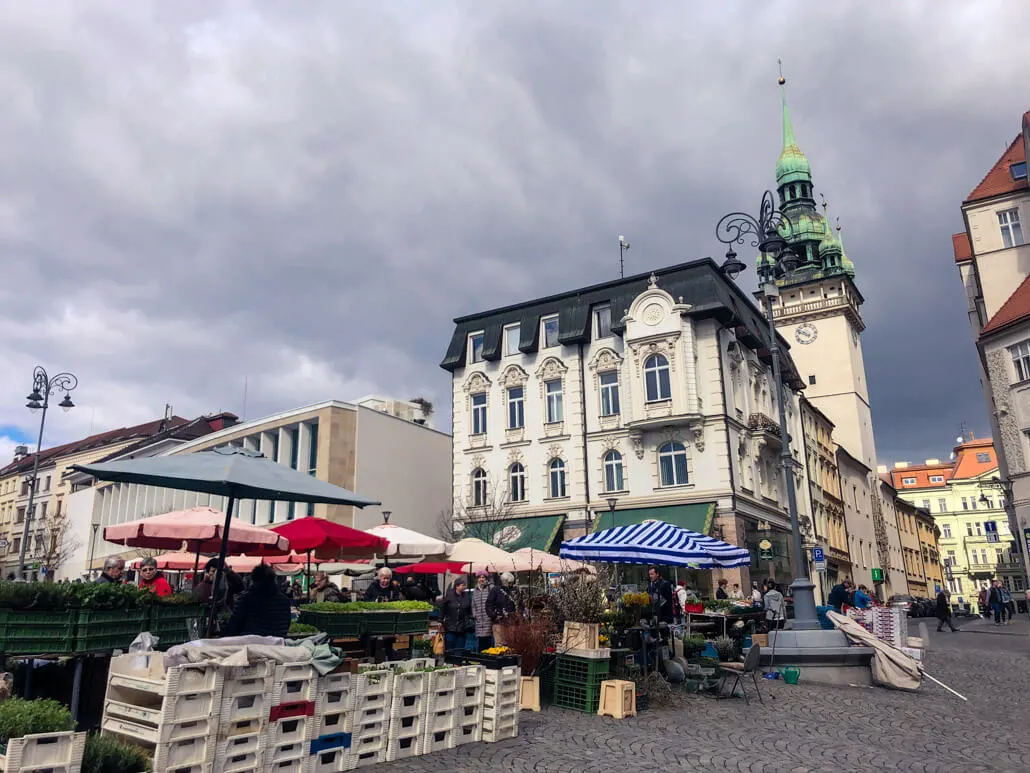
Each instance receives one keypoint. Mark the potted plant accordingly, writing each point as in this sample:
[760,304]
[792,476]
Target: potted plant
[301,630]
[105,754]
[693,646]
[421,647]
[578,606]
[726,647]
[41,731]
[528,638]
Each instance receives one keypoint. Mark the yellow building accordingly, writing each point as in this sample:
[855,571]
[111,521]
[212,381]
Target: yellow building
[976,545]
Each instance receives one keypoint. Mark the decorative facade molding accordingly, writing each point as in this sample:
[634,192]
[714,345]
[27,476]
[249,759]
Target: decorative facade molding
[514,376]
[476,382]
[605,360]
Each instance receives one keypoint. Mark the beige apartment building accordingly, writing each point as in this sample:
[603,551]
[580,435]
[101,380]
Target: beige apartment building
[993,259]
[362,447]
[54,537]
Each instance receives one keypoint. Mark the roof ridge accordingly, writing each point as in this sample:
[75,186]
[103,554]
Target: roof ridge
[1015,309]
[1017,143]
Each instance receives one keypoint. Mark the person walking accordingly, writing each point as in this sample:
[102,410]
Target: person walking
[456,616]
[944,611]
[1008,606]
[263,610]
[501,605]
[994,601]
[775,608]
[981,599]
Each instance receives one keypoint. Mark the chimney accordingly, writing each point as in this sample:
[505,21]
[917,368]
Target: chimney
[221,421]
[900,465]
[20,452]
[881,468]
[933,461]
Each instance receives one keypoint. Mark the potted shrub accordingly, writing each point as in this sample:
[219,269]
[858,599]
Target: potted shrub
[301,630]
[579,602]
[726,647]
[528,638]
[421,647]
[105,754]
[693,646]
[40,732]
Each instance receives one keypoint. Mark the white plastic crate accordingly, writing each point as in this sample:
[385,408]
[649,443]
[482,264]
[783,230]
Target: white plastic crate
[367,716]
[170,731]
[410,684]
[442,701]
[500,717]
[154,709]
[403,747]
[284,766]
[500,694]
[471,676]
[241,707]
[443,681]
[409,705]
[369,738]
[405,727]
[57,752]
[468,734]
[329,723]
[146,672]
[439,740]
[334,692]
[241,762]
[510,730]
[294,682]
[240,744]
[470,714]
[232,727]
[369,687]
[262,669]
[290,730]
[276,753]
[183,754]
[438,721]
[471,695]
[361,759]
[417,663]
[328,760]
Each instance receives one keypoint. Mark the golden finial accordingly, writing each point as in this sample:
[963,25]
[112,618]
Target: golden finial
[782,80]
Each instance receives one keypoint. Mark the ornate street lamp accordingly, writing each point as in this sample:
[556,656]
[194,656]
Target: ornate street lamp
[43,387]
[768,233]
[612,501]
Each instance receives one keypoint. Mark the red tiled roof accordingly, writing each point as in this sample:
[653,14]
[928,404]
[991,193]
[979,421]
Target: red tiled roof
[93,441]
[921,473]
[999,179]
[960,244]
[967,465]
[1015,309]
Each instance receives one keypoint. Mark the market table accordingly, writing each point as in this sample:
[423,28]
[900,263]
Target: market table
[757,614]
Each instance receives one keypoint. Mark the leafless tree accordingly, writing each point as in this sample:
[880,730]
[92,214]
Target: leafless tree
[55,543]
[486,521]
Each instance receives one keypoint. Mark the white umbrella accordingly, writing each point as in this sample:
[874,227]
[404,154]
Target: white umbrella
[537,560]
[481,555]
[406,543]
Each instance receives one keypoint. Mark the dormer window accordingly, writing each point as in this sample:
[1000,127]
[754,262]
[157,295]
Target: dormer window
[1018,170]
[475,348]
[550,332]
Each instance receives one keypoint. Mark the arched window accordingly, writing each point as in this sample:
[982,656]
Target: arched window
[479,487]
[613,480]
[672,464]
[557,478]
[517,482]
[656,378]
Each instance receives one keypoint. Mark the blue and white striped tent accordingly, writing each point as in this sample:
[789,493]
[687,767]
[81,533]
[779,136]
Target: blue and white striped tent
[655,542]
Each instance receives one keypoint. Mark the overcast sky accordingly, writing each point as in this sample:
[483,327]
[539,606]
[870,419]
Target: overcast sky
[305,194]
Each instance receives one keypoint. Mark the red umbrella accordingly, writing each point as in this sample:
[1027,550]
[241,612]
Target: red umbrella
[433,567]
[329,540]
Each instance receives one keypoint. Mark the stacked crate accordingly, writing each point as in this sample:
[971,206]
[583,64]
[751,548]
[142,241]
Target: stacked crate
[243,720]
[172,713]
[407,715]
[330,730]
[290,718]
[44,753]
[577,683]
[501,703]
[441,722]
[369,720]
[471,685]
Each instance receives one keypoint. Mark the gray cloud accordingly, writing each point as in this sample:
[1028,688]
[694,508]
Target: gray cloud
[305,195]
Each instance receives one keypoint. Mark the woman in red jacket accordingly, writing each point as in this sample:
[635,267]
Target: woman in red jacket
[151,579]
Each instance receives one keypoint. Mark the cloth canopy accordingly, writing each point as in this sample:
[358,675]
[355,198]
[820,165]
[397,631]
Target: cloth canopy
[480,555]
[184,562]
[200,528]
[329,540]
[432,567]
[655,542]
[406,543]
[530,560]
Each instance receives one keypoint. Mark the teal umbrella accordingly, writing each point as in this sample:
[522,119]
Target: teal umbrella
[231,472]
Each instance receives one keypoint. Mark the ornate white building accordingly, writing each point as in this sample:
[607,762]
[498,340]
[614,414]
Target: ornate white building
[652,393]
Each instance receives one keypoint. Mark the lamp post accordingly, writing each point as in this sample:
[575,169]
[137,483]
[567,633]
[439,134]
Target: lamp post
[386,516]
[92,549]
[43,387]
[612,501]
[765,233]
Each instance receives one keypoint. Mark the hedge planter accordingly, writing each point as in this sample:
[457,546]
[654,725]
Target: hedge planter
[339,625]
[383,623]
[29,632]
[101,630]
[170,623]
[413,622]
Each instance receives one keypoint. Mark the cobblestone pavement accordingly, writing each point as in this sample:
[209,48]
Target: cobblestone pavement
[799,729]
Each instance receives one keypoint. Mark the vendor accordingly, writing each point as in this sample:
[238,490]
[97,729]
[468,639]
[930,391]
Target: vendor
[151,579]
[383,588]
[660,591]
[324,590]
[721,593]
[263,610]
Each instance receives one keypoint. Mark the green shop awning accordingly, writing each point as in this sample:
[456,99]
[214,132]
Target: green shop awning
[511,534]
[696,517]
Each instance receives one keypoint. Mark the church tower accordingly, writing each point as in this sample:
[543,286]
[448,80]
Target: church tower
[818,310]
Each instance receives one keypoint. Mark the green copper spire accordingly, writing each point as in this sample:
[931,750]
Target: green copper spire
[845,261]
[830,251]
[792,165]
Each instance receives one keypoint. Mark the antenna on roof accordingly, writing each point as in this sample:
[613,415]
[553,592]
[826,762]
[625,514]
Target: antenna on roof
[623,246]
[243,413]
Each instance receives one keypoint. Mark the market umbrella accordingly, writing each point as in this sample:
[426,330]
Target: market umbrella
[534,560]
[231,472]
[406,543]
[432,567]
[655,542]
[200,528]
[180,562]
[329,540]
[481,555]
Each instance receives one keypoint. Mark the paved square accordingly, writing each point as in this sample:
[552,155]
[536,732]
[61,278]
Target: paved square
[798,729]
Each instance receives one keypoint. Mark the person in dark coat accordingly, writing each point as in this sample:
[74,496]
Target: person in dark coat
[944,611]
[502,604]
[114,568]
[383,588]
[456,616]
[839,596]
[414,590]
[660,591]
[263,610]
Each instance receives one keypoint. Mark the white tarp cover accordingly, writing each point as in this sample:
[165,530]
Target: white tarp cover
[891,667]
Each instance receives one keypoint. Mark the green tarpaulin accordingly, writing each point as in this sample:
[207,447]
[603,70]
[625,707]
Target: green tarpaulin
[511,534]
[696,517]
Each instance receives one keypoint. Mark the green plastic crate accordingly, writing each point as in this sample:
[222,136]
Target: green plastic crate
[170,623]
[573,670]
[102,630]
[30,632]
[578,697]
[413,622]
[339,625]
[382,623]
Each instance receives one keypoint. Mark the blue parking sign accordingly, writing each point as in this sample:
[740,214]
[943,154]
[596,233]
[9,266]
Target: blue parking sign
[817,554]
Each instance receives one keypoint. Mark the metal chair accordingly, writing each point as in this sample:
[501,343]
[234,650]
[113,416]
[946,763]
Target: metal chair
[740,670]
